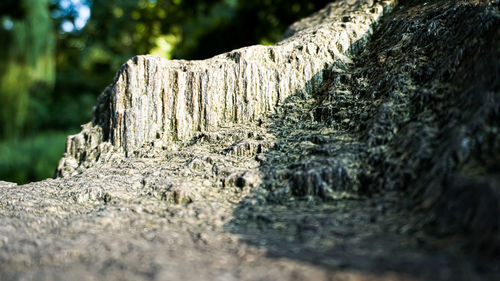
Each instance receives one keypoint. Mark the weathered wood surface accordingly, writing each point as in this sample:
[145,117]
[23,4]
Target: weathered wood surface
[157,103]
[377,162]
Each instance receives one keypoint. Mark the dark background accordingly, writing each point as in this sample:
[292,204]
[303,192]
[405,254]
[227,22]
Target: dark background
[56,56]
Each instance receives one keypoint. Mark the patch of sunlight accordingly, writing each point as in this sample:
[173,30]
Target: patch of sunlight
[164,45]
[266,42]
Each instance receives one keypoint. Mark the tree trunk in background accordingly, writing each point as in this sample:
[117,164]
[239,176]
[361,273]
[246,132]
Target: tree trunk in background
[27,64]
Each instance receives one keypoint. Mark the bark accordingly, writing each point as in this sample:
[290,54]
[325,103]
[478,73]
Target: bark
[156,103]
[379,162]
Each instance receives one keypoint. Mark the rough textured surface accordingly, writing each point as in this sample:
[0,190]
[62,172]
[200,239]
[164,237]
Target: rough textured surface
[156,105]
[7,184]
[385,169]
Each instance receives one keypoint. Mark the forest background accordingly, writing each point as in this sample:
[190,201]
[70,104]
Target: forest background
[56,57]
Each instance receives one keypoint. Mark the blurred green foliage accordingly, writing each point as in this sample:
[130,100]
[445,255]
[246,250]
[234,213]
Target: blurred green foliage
[26,160]
[27,68]
[50,76]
